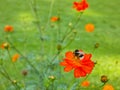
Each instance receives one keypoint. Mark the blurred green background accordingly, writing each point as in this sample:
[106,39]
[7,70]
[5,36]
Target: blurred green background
[105,15]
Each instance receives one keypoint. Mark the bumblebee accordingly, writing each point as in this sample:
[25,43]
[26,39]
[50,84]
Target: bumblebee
[79,54]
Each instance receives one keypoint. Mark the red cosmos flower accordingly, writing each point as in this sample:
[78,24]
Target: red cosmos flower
[80,6]
[79,61]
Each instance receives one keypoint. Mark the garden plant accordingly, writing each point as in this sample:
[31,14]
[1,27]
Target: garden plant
[58,45]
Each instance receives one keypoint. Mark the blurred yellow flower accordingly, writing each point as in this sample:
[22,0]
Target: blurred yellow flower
[15,57]
[108,87]
[52,78]
[4,45]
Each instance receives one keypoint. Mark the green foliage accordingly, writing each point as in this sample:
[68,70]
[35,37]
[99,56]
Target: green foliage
[40,58]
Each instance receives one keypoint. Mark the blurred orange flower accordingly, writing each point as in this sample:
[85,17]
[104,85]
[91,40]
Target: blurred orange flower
[85,83]
[15,57]
[108,87]
[80,6]
[89,27]
[79,61]
[8,28]
[54,19]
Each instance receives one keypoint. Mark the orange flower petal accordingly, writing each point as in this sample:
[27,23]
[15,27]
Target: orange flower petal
[69,54]
[68,68]
[87,57]
[64,63]
[78,72]
[73,62]
[87,64]
[80,6]
[87,68]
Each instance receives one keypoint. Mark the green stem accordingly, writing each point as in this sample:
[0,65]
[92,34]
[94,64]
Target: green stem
[23,56]
[11,60]
[75,25]
[35,12]
[38,25]
[57,54]
[6,75]
[78,88]
[49,15]
[69,42]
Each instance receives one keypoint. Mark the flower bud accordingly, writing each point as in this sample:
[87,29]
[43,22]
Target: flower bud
[5,45]
[70,24]
[74,31]
[52,25]
[104,78]
[95,62]
[96,45]
[1,61]
[59,47]
[14,81]
[24,72]
[52,78]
